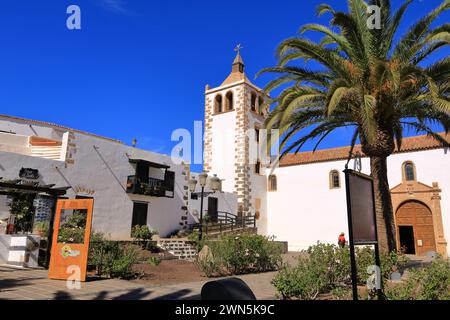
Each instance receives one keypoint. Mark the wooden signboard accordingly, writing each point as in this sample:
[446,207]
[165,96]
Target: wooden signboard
[362,208]
[71,235]
[362,224]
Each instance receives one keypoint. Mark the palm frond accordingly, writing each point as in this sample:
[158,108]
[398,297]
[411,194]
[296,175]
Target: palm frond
[419,127]
[418,31]
[337,38]
[391,28]
[324,56]
[323,8]
[336,98]
[361,78]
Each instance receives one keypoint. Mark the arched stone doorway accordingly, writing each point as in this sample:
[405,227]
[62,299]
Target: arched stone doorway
[423,203]
[415,230]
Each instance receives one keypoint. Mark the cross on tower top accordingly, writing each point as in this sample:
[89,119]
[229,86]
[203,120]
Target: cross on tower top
[238,64]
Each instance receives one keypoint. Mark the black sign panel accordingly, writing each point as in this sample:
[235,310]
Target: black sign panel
[361,201]
[27,173]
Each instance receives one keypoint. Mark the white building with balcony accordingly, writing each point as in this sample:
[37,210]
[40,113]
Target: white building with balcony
[129,186]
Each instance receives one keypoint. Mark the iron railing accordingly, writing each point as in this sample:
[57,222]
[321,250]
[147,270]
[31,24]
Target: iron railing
[225,222]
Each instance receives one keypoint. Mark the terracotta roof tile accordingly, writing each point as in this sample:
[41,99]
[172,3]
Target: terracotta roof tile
[43,142]
[416,143]
[234,77]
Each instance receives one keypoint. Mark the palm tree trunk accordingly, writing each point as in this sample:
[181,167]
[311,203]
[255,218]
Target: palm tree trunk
[383,204]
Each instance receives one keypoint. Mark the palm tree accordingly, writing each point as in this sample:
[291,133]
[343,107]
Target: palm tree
[366,80]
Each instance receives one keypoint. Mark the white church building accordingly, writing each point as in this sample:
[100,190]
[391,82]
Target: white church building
[303,200]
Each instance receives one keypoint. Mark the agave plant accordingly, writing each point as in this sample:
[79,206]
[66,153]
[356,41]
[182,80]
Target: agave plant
[366,80]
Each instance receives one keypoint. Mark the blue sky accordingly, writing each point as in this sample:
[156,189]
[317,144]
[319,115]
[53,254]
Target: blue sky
[138,68]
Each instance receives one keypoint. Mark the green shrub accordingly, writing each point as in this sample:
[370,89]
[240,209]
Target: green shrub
[95,238]
[71,235]
[193,235]
[321,269]
[241,254]
[154,261]
[73,229]
[143,235]
[393,262]
[301,282]
[431,282]
[332,264]
[390,262]
[342,293]
[199,244]
[112,258]
[21,207]
[121,264]
[42,228]
[211,267]
[325,268]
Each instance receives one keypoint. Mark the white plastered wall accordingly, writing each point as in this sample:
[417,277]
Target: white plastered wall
[305,210]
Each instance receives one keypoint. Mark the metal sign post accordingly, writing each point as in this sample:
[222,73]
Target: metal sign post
[362,224]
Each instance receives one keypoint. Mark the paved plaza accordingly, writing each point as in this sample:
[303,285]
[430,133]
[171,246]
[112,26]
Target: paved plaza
[32,284]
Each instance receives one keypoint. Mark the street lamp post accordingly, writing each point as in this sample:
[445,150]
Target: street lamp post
[202,179]
[215,186]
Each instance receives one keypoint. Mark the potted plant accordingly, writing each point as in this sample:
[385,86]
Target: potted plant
[41,228]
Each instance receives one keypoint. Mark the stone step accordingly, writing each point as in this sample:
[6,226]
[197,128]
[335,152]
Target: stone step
[181,249]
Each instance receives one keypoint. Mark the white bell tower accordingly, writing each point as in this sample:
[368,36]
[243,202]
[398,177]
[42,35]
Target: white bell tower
[233,118]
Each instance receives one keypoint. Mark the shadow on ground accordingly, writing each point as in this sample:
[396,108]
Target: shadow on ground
[8,284]
[134,294]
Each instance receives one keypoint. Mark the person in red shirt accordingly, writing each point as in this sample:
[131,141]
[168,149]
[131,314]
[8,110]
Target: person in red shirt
[341,240]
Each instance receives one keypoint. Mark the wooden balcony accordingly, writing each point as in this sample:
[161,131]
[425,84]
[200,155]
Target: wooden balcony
[143,182]
[151,187]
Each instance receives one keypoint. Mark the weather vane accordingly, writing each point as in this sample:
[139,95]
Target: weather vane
[238,48]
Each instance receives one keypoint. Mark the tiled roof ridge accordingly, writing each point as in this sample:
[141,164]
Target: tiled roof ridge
[415,143]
